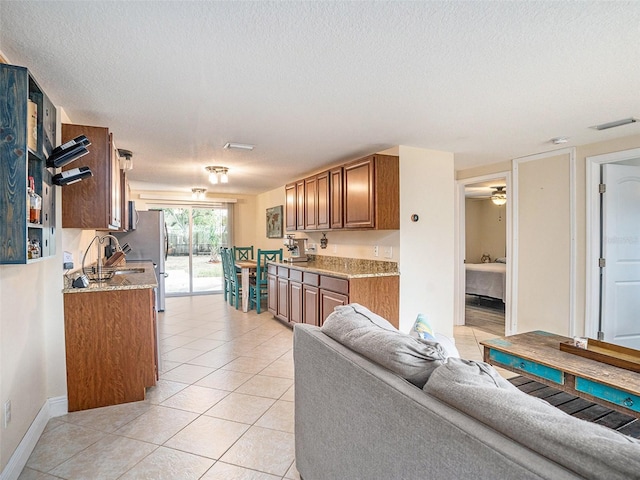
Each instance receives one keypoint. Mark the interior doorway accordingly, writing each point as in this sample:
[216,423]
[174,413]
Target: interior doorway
[483,253]
[613,263]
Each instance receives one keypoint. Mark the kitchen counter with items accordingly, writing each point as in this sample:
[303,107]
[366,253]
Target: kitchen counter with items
[307,292]
[111,338]
[128,276]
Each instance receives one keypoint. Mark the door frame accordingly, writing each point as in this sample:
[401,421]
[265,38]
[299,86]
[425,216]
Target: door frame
[460,247]
[593,231]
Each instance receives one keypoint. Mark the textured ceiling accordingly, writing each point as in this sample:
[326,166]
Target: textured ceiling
[315,83]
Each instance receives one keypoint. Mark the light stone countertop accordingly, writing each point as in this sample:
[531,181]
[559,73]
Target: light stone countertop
[344,267]
[125,281]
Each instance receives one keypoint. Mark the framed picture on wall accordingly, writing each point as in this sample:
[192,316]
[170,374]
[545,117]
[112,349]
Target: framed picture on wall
[274,222]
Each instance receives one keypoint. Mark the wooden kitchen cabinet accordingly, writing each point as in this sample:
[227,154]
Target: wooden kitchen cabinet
[24,150]
[300,205]
[111,346]
[95,202]
[310,305]
[372,193]
[323,199]
[283,298]
[290,207]
[311,203]
[272,290]
[302,296]
[364,194]
[336,192]
[296,309]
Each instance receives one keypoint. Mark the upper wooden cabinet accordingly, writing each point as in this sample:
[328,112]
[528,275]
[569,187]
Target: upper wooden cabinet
[28,126]
[290,206]
[336,200]
[372,193]
[364,194]
[95,202]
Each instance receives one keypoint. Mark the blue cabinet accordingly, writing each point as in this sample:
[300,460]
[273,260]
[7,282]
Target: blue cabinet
[27,137]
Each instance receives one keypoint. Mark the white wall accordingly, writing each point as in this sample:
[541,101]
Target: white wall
[544,246]
[427,246]
[32,355]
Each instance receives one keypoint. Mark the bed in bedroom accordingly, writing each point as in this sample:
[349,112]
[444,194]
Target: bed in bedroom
[486,279]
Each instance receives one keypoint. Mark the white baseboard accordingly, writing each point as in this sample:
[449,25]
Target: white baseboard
[53,407]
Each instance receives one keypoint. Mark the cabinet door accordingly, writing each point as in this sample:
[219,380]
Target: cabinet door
[323,201]
[330,300]
[87,204]
[283,299]
[296,310]
[359,200]
[335,191]
[290,206]
[300,205]
[272,294]
[310,203]
[311,304]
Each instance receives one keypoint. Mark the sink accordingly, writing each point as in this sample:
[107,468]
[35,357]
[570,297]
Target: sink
[128,271]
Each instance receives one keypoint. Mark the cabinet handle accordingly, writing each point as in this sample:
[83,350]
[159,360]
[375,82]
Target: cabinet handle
[522,365]
[628,402]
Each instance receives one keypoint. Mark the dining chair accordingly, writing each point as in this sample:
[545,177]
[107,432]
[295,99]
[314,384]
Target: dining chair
[243,253]
[226,273]
[235,284]
[258,286]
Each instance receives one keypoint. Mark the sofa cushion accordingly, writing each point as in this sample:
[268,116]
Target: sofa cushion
[372,336]
[588,449]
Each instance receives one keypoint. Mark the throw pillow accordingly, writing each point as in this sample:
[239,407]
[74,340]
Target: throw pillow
[589,449]
[422,329]
[373,337]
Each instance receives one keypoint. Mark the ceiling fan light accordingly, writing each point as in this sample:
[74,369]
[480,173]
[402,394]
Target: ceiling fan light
[499,196]
[224,178]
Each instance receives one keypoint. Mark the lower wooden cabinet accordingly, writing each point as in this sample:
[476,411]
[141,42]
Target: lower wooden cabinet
[330,300]
[111,346]
[298,296]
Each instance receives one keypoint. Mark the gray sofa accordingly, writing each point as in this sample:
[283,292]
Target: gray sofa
[355,419]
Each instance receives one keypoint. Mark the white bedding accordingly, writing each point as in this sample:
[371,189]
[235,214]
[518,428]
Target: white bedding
[486,279]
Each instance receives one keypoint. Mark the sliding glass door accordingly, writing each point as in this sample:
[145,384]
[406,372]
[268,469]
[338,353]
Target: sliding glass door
[195,236]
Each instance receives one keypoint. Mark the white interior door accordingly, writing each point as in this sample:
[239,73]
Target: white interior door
[620,322]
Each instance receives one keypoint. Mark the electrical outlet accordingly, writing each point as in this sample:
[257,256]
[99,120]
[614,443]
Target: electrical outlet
[335,248]
[375,251]
[388,252]
[7,413]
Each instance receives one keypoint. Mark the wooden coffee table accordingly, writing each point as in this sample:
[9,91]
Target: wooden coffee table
[537,355]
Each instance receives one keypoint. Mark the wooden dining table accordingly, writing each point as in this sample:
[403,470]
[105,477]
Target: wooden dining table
[246,267]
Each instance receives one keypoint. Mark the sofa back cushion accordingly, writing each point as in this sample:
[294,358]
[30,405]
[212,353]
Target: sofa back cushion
[373,337]
[591,450]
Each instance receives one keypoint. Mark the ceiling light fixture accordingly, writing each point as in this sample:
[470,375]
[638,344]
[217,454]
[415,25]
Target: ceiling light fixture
[239,146]
[499,196]
[218,174]
[615,123]
[198,193]
[126,163]
[559,140]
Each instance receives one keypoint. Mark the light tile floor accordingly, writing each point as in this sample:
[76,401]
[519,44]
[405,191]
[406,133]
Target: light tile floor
[222,409]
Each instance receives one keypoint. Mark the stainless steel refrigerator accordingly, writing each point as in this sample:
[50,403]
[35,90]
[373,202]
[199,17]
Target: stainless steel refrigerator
[148,242]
